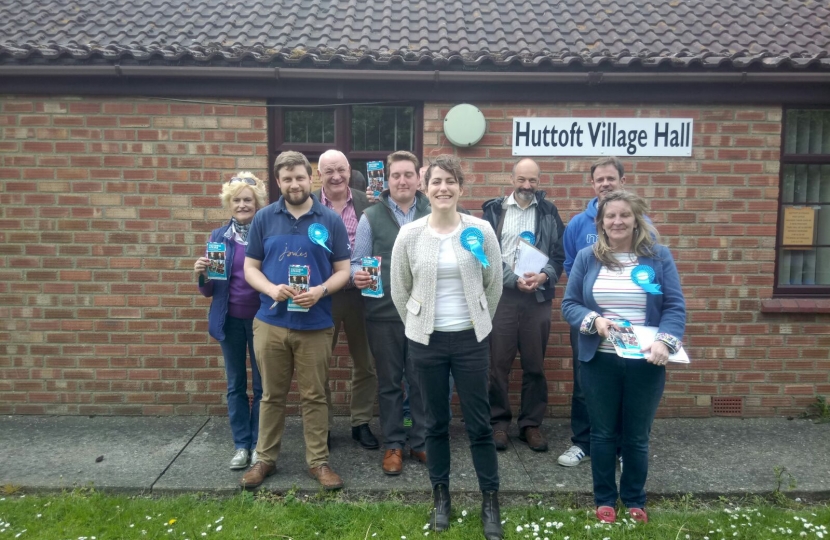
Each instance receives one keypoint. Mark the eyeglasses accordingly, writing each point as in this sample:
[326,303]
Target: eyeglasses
[249,181]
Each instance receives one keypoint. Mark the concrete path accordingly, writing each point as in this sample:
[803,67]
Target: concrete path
[167,455]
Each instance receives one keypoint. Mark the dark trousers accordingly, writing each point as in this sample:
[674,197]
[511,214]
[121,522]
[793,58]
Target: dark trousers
[468,360]
[521,325]
[622,397]
[391,351]
[243,414]
[347,311]
[580,421]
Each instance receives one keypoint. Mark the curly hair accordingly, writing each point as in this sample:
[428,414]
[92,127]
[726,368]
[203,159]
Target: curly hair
[231,189]
[645,235]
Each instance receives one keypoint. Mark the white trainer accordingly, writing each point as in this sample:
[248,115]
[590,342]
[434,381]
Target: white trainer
[572,457]
[240,458]
[254,457]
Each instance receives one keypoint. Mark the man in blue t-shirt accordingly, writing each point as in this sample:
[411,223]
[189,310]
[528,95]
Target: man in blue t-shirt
[607,176]
[298,254]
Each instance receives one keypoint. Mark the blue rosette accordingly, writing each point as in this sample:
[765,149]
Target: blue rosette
[643,276]
[319,234]
[472,239]
[528,237]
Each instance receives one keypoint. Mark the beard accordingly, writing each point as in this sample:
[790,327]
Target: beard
[525,194]
[296,198]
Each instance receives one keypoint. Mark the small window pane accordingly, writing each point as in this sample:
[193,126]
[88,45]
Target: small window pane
[806,184]
[383,128]
[808,132]
[302,126]
[804,267]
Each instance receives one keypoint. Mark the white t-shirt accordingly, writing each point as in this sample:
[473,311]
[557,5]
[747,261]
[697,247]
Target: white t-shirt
[451,311]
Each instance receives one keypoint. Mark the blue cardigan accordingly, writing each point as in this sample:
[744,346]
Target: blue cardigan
[666,311]
[219,289]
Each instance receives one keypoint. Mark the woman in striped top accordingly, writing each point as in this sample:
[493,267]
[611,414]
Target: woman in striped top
[622,395]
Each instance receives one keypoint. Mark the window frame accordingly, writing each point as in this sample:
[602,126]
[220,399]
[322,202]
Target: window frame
[794,291]
[342,134]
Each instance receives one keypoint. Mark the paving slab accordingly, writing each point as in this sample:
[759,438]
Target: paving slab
[59,452]
[732,456]
[544,473]
[703,457]
[203,465]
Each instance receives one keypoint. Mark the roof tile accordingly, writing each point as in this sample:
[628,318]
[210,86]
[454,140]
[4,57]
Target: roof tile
[494,34]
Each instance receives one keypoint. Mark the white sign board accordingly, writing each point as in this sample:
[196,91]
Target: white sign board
[602,137]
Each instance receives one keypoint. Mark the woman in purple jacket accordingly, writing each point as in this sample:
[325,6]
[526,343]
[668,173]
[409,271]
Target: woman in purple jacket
[233,308]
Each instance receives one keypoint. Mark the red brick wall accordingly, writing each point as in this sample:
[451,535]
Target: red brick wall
[105,203]
[717,211]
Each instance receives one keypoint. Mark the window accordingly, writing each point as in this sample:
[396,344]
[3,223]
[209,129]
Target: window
[363,132]
[803,267]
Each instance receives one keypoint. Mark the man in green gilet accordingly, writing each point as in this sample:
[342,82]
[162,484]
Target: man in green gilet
[377,230]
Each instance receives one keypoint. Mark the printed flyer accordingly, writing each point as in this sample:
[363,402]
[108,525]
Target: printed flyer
[376,178]
[216,254]
[625,340]
[372,265]
[298,275]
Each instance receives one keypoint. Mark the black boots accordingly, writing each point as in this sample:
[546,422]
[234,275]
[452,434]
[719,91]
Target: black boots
[491,516]
[440,520]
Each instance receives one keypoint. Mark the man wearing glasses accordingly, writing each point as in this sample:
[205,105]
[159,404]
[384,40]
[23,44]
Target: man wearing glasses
[347,305]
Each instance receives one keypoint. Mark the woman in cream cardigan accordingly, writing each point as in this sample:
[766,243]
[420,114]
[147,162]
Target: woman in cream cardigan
[446,283]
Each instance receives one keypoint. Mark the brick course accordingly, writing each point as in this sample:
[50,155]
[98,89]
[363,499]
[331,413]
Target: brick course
[106,203]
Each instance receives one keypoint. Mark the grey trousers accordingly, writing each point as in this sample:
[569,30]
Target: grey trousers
[391,351]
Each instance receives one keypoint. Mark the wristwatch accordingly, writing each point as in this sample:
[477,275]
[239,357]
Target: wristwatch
[325,290]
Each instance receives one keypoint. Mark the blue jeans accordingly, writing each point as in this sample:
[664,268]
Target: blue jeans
[244,417]
[580,422]
[468,360]
[622,397]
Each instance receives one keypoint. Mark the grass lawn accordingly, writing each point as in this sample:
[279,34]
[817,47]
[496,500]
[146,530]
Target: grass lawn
[88,515]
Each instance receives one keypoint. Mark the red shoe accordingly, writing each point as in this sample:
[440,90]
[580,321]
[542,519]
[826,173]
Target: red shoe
[606,514]
[638,514]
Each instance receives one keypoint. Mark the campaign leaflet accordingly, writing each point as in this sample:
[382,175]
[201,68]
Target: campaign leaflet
[298,275]
[625,340]
[216,253]
[372,265]
[376,177]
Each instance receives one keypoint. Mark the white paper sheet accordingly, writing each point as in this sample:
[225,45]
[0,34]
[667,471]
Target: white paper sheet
[646,335]
[528,258]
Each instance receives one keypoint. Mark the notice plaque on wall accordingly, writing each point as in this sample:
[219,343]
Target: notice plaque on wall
[664,137]
[799,226]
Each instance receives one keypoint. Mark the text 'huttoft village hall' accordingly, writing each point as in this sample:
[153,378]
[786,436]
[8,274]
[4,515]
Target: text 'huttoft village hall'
[602,136]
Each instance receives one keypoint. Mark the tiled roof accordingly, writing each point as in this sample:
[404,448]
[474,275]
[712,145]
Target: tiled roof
[420,34]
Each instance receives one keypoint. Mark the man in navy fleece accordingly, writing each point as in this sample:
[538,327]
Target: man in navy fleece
[607,176]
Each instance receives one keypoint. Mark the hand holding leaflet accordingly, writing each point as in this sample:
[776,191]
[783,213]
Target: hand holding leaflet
[528,259]
[646,334]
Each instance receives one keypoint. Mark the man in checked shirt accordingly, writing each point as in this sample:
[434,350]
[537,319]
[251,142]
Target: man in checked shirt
[347,304]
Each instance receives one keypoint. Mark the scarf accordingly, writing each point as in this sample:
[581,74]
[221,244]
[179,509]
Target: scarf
[241,230]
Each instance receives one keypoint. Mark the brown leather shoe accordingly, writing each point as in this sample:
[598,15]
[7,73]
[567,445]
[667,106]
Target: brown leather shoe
[327,477]
[256,475]
[420,456]
[534,439]
[501,440]
[393,462]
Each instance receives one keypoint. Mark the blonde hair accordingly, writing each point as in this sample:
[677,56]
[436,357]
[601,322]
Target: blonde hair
[232,189]
[645,235]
